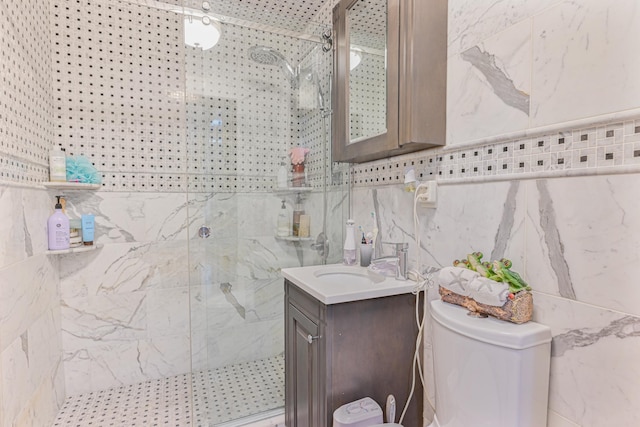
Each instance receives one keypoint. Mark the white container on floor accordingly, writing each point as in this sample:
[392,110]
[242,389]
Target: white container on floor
[361,413]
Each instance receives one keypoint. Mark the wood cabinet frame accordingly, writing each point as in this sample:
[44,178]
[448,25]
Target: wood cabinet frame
[416,81]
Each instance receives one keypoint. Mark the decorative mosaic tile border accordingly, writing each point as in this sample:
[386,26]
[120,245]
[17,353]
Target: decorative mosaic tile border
[607,148]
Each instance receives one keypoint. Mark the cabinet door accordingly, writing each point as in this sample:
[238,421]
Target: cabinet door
[392,99]
[365,97]
[302,371]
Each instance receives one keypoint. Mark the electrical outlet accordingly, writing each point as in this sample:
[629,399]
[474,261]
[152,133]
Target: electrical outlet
[427,194]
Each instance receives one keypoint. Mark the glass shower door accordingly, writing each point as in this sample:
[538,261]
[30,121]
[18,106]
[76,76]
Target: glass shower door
[244,114]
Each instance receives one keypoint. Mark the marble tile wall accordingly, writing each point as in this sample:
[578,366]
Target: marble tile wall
[31,370]
[528,64]
[125,307]
[522,76]
[236,286]
[157,300]
[575,240]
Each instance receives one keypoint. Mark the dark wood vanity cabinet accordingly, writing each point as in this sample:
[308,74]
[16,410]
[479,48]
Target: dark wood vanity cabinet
[338,353]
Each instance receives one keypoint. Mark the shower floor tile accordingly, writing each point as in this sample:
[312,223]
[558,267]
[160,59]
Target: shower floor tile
[220,395]
[237,391]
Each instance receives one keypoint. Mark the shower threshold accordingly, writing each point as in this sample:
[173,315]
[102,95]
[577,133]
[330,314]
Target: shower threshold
[273,418]
[246,394]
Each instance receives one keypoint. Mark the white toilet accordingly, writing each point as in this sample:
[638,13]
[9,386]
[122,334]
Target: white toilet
[488,373]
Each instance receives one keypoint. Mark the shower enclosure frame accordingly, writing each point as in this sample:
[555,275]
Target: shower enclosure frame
[236,295]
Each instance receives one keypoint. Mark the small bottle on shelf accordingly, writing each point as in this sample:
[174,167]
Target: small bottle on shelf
[283,176]
[305,226]
[284,226]
[298,175]
[298,210]
[88,229]
[75,232]
[57,165]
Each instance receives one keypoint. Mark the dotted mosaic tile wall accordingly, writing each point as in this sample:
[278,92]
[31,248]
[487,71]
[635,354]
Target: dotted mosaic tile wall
[118,85]
[606,147]
[314,122]
[155,115]
[240,114]
[25,96]
[337,173]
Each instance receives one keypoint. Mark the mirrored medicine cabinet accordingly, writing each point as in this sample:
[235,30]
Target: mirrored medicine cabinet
[389,78]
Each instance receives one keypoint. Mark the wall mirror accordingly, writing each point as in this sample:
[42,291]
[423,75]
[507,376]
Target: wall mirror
[367,29]
[389,79]
[365,88]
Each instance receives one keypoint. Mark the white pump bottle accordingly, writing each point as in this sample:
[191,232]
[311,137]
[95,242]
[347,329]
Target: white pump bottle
[349,253]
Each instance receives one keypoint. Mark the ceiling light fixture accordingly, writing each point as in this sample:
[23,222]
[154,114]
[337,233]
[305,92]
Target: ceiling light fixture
[201,32]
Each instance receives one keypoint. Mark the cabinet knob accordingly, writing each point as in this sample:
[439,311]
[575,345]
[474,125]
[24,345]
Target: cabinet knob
[310,338]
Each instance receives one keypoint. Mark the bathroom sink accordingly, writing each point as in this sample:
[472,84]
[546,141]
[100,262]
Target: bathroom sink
[337,283]
[336,275]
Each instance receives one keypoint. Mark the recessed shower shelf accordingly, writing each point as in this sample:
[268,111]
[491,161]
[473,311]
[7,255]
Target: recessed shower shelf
[70,186]
[75,250]
[294,239]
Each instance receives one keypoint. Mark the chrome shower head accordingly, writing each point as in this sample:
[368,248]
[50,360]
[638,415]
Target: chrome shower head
[268,56]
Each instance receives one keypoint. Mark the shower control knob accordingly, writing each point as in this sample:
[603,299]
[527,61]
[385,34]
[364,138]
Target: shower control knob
[204,232]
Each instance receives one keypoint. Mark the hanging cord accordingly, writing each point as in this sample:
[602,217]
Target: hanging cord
[423,283]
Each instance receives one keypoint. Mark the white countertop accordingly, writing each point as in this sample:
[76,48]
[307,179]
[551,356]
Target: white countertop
[329,291]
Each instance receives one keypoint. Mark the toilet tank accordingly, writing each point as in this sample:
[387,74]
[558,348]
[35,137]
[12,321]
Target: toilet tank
[488,372]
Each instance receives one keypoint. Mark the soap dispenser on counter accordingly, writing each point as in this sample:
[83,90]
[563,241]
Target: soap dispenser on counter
[58,229]
[349,250]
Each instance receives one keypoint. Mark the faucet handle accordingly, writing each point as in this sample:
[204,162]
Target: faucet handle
[402,253]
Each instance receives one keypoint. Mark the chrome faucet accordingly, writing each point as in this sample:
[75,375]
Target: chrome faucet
[400,258]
